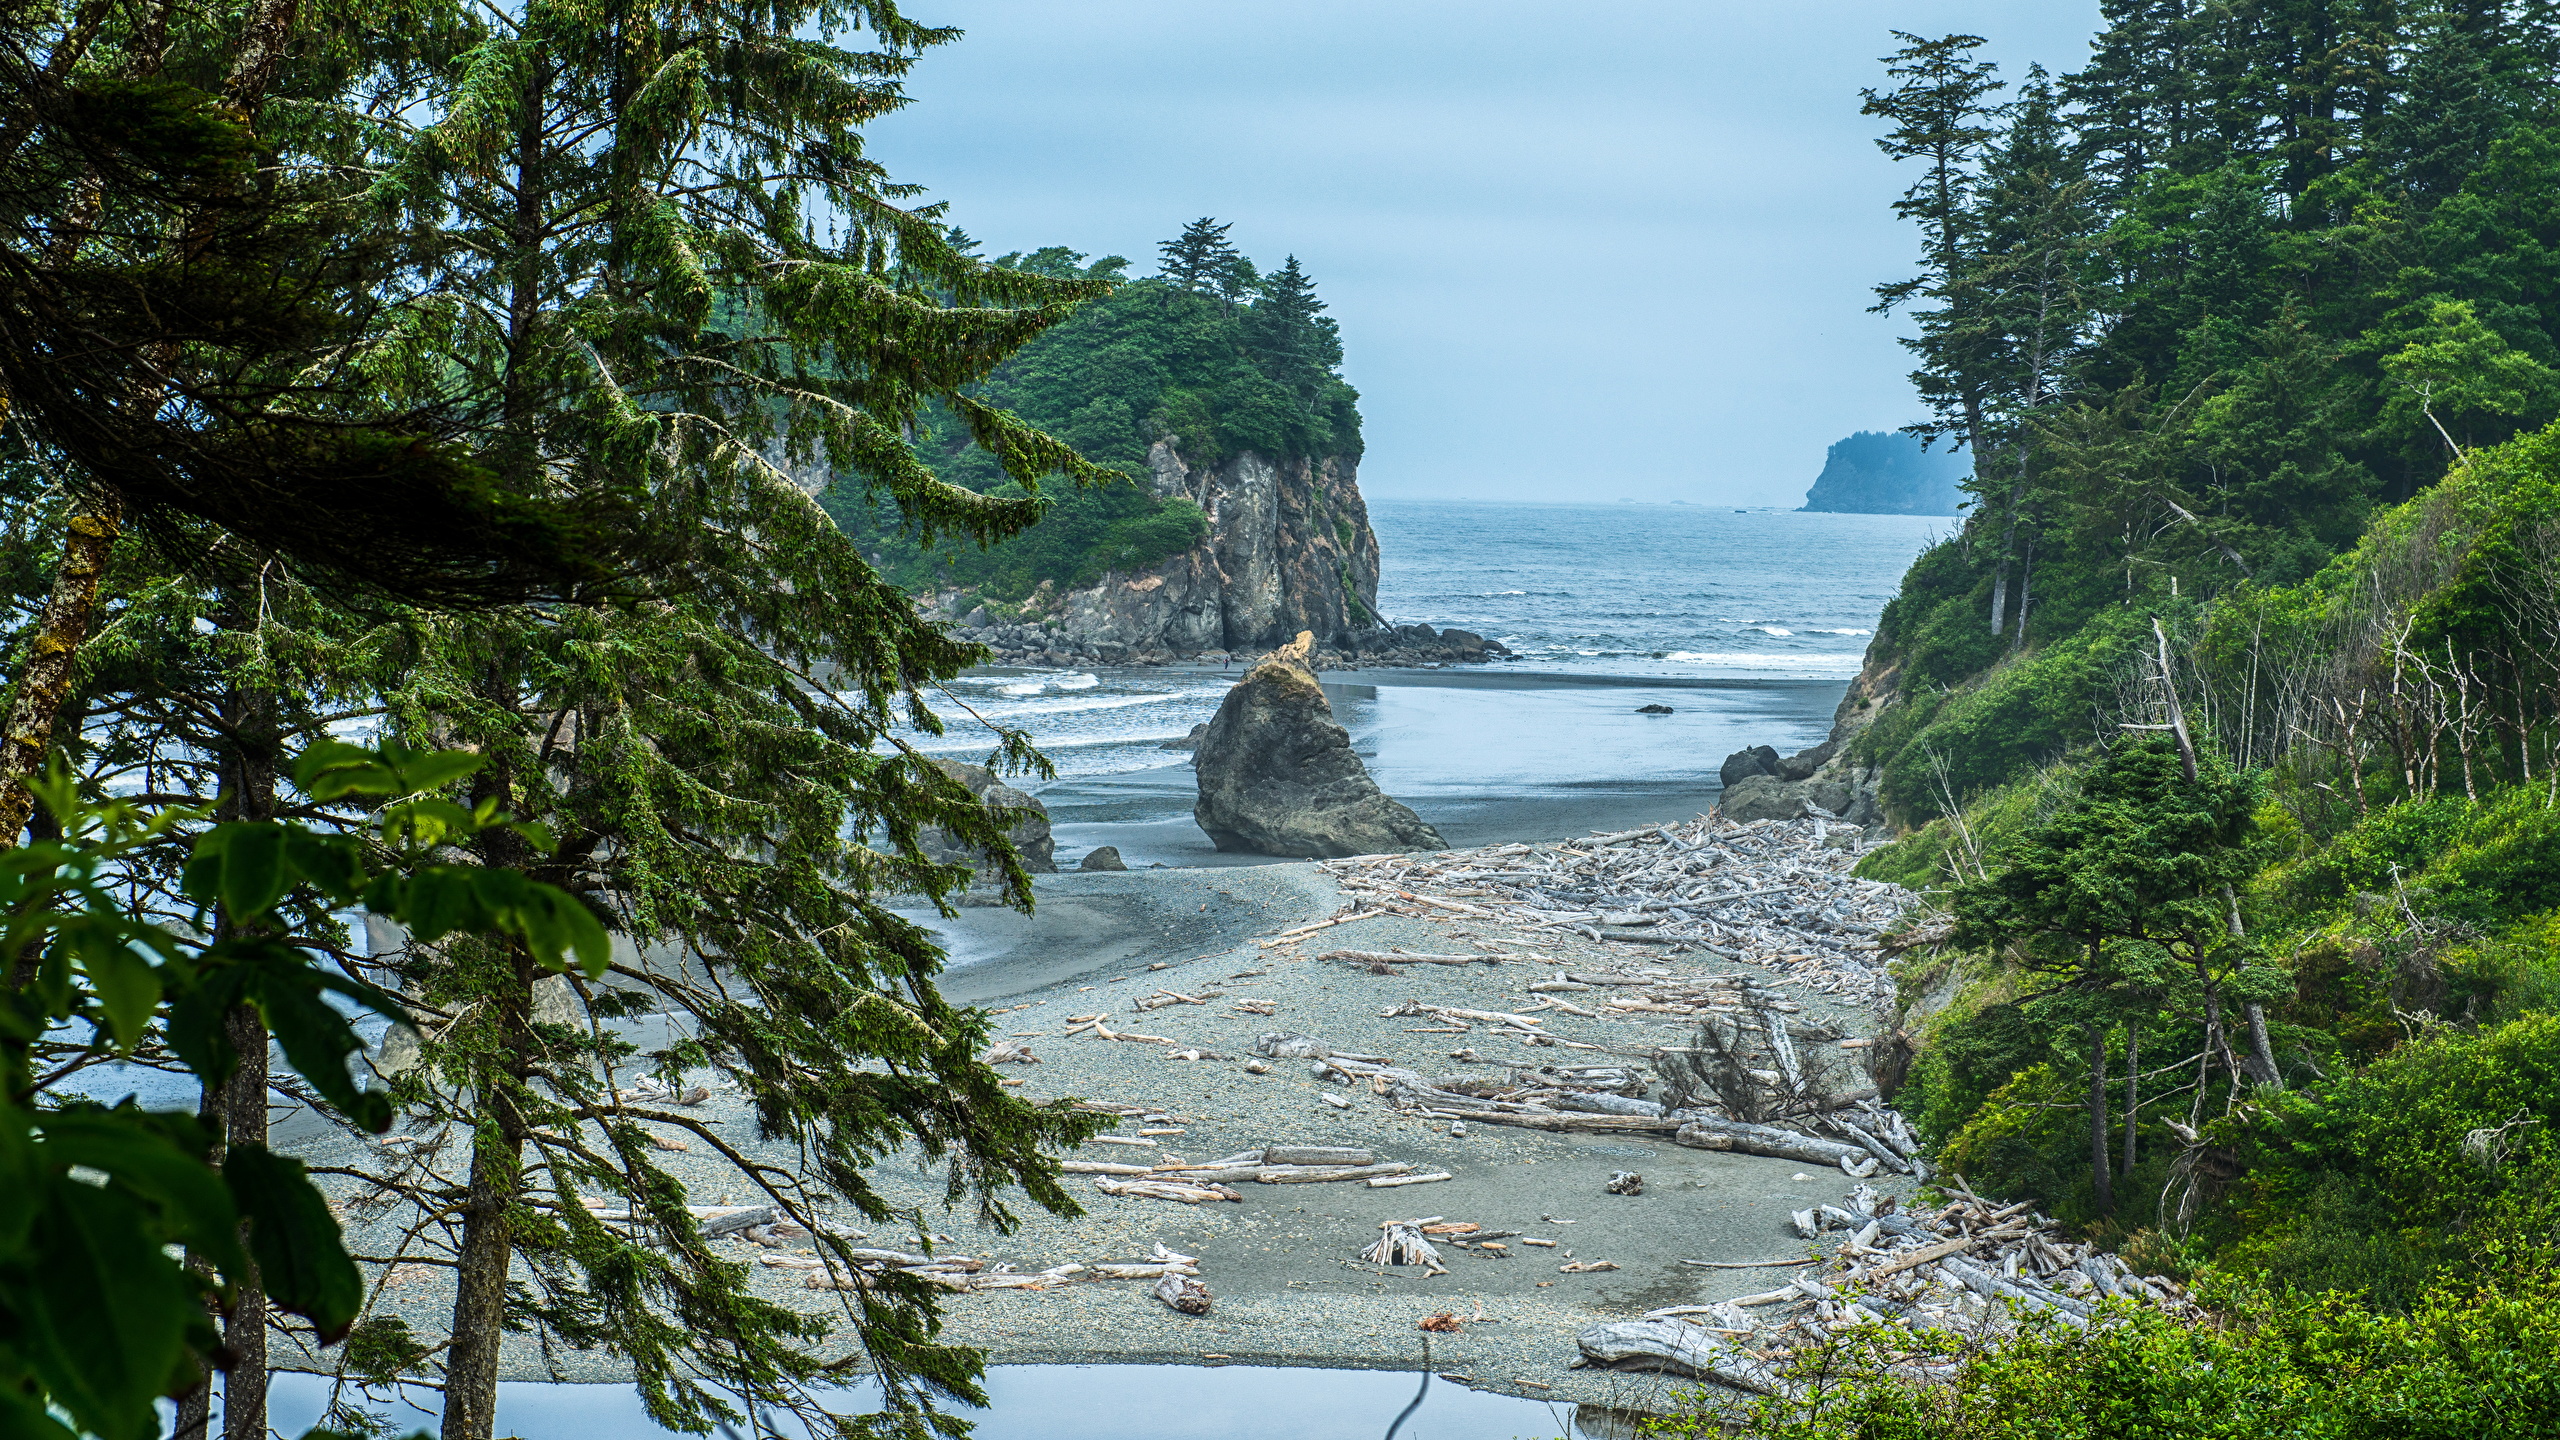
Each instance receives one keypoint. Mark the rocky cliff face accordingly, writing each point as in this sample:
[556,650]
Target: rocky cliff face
[1289,549]
[1760,784]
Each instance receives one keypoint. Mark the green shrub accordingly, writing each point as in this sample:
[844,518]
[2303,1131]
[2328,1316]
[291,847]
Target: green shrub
[2463,1364]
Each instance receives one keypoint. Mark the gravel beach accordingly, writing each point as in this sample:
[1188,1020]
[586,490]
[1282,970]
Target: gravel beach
[1283,1263]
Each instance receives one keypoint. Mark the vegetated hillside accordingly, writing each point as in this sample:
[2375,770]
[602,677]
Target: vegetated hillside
[2384,732]
[1212,355]
[1888,473]
[2189,344]
[2226,726]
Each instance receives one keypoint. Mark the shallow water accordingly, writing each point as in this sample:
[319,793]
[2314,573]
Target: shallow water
[1059,1402]
[1748,625]
[1649,589]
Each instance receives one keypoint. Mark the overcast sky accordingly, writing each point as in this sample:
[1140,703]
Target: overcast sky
[1594,251]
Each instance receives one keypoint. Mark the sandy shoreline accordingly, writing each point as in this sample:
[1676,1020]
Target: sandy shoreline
[1282,1262]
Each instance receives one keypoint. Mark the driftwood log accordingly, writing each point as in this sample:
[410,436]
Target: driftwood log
[1189,1193]
[1592,1124]
[1706,1133]
[1315,1155]
[1398,957]
[1681,1348]
[1402,1244]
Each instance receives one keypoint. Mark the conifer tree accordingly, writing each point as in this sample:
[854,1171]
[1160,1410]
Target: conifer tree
[1289,332]
[635,289]
[1203,261]
[1941,117]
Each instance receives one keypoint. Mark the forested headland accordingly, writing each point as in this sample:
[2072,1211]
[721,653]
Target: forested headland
[1872,473]
[2224,728]
[1212,355]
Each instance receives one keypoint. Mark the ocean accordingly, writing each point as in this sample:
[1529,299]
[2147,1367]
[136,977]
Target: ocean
[1749,624]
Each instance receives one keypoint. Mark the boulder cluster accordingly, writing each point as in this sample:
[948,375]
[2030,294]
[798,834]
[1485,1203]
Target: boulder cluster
[1760,784]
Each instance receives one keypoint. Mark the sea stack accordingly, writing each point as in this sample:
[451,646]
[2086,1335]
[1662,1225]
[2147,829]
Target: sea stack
[1030,834]
[1278,776]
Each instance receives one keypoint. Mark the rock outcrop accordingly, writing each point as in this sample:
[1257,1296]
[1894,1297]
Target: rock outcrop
[1030,835]
[1761,784]
[1289,549]
[1277,776]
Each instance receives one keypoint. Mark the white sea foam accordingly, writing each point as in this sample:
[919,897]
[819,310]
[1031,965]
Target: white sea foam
[1100,702]
[1748,661]
[1840,632]
[1043,684]
[1778,630]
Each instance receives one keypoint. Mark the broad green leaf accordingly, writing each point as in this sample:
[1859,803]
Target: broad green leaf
[254,873]
[301,1255]
[195,1024]
[128,989]
[160,1158]
[334,769]
[107,1312]
[317,1039]
[332,863]
[433,771]
[22,1418]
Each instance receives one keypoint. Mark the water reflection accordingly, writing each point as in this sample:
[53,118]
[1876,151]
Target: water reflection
[1074,1402]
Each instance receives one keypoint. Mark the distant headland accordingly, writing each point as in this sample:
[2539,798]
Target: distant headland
[1887,473]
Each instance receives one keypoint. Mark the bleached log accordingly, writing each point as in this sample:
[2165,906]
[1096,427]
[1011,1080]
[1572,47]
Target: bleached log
[1884,1153]
[1402,1244]
[1146,1271]
[1452,1012]
[1389,1182]
[1188,1194]
[1326,1174]
[1992,1287]
[1594,1124]
[1917,1258]
[1708,1133]
[1681,1348]
[1398,957]
[1313,1155]
[1604,1104]
[1100,1167]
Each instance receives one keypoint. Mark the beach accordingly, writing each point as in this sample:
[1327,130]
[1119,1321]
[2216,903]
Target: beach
[1283,1262]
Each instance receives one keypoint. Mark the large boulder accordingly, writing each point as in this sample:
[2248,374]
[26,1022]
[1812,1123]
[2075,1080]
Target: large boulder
[1741,765]
[1030,835]
[1278,777]
[1842,791]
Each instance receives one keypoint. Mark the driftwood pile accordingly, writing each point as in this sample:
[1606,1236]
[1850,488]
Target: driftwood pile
[1773,892]
[1272,1165]
[1970,1268]
[1779,1113]
[847,1267]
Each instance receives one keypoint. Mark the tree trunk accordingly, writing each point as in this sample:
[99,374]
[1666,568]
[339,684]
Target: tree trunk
[2026,594]
[52,657]
[248,771]
[488,1247]
[2262,1058]
[2132,1088]
[497,1155]
[2099,1177]
[244,1325]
